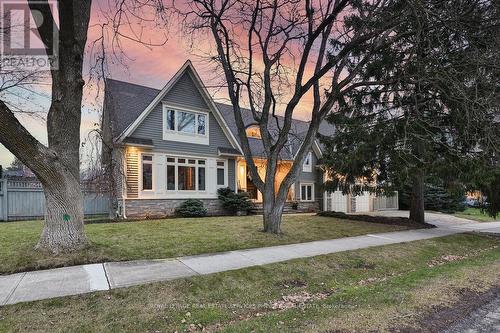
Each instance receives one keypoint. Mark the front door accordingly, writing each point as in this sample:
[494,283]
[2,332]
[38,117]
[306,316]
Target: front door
[251,188]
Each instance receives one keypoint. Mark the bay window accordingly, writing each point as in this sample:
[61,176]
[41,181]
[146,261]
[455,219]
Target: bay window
[185,174]
[201,175]
[171,178]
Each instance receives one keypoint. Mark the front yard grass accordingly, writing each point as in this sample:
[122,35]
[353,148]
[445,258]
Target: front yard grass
[388,288]
[475,214]
[156,239]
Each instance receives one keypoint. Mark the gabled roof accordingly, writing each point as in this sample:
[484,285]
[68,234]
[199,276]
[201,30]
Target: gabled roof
[298,131]
[124,102]
[187,67]
[128,104]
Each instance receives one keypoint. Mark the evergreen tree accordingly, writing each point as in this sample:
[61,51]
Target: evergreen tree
[432,111]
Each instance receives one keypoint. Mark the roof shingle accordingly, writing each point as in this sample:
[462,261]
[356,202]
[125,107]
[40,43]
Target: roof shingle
[126,101]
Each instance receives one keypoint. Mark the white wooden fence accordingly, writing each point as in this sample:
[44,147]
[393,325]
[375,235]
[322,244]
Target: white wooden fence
[24,200]
[347,203]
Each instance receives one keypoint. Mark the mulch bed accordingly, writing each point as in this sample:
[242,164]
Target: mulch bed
[403,221]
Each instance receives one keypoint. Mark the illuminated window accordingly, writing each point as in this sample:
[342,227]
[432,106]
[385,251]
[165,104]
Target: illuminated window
[185,174]
[253,132]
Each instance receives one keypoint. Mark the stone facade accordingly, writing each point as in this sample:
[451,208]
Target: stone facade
[302,207]
[307,207]
[158,208]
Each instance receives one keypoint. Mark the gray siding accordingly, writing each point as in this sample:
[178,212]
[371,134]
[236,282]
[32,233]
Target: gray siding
[231,173]
[315,176]
[310,176]
[183,94]
[132,181]
[318,188]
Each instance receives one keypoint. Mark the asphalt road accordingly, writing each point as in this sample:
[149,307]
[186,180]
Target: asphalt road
[485,319]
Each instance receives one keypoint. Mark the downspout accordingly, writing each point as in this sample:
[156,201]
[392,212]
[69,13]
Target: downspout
[124,182]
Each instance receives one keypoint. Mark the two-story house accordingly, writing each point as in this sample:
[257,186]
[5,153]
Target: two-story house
[176,143]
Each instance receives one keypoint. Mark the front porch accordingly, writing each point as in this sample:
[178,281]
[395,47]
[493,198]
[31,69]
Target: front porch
[245,183]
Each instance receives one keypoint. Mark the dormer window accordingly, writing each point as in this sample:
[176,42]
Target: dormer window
[185,125]
[307,167]
[253,132]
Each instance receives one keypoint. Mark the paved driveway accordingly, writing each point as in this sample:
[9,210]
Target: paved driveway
[447,221]
[485,319]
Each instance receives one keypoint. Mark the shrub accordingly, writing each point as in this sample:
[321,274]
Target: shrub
[436,197]
[404,221]
[191,208]
[234,202]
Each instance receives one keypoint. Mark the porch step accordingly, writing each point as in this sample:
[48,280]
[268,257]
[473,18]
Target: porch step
[303,207]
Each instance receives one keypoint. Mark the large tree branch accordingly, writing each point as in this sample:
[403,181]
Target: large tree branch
[234,92]
[43,161]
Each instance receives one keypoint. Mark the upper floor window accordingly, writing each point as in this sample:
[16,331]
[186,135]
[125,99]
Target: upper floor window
[185,126]
[253,132]
[307,167]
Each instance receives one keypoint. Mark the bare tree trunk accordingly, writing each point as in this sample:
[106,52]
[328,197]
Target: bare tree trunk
[57,165]
[63,228]
[272,217]
[417,211]
[273,211]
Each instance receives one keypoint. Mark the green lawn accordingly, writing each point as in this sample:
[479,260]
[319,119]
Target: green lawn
[167,238]
[475,214]
[381,289]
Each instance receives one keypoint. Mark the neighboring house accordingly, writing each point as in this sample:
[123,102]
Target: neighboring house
[20,173]
[175,144]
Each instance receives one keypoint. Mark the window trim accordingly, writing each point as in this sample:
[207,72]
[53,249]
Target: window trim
[153,176]
[226,169]
[176,165]
[176,135]
[312,192]
[307,167]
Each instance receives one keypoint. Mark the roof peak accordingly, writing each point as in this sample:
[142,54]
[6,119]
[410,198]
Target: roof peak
[131,83]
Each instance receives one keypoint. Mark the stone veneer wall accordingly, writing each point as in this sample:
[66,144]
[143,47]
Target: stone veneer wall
[312,206]
[157,208]
[303,207]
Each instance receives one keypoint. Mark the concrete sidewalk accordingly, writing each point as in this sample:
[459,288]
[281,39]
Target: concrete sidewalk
[75,280]
[37,285]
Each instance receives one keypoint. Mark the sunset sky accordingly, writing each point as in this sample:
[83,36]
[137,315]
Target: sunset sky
[149,66]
